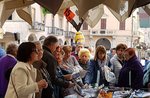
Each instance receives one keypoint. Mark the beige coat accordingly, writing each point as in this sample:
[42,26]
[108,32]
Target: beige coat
[23,76]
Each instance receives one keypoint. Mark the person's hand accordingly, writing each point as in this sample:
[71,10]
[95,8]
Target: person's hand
[86,86]
[71,84]
[42,84]
[68,76]
[64,66]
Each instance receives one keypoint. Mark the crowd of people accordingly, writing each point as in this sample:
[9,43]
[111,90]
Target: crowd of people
[50,70]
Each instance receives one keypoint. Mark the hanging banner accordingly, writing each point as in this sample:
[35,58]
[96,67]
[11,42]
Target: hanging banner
[69,14]
[72,16]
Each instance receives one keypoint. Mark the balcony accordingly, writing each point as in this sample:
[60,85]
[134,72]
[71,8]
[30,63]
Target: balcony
[102,32]
[37,27]
[69,34]
[54,30]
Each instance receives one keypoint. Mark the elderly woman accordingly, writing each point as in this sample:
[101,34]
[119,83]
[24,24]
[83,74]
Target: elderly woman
[70,60]
[58,54]
[131,74]
[22,83]
[42,73]
[100,60]
[84,56]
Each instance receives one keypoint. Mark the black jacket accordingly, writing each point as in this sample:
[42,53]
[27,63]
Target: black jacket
[51,67]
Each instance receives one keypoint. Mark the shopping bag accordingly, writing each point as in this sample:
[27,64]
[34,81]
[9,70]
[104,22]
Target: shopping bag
[109,76]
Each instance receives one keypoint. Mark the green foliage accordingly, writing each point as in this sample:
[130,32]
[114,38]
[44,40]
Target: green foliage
[45,11]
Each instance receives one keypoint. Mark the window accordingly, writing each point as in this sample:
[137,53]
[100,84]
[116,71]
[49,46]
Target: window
[85,26]
[122,25]
[103,23]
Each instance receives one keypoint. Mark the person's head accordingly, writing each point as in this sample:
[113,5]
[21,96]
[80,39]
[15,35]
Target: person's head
[100,53]
[51,42]
[147,55]
[39,49]
[120,50]
[12,49]
[2,52]
[27,52]
[79,45]
[90,49]
[84,55]
[67,49]
[113,51]
[129,53]
[59,54]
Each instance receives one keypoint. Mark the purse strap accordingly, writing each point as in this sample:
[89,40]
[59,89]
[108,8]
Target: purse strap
[14,87]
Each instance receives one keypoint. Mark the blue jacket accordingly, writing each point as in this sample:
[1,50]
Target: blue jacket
[91,75]
[137,73]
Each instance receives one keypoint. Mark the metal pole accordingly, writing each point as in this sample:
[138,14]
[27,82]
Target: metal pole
[132,31]
[53,24]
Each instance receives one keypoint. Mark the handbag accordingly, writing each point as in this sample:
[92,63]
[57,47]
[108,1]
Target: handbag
[14,87]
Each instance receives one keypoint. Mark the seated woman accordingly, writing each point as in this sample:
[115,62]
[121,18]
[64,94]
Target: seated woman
[97,65]
[131,74]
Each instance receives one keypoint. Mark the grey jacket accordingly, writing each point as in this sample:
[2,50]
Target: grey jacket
[116,66]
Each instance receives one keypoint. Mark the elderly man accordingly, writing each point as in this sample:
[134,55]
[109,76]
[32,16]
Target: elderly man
[50,44]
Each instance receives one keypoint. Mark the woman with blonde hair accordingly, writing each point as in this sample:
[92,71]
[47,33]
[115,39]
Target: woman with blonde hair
[84,57]
[69,59]
[97,65]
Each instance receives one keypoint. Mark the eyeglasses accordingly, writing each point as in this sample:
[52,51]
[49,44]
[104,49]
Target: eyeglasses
[36,51]
[39,50]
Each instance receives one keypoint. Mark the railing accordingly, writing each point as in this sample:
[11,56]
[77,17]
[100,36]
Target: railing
[102,32]
[69,34]
[54,30]
[38,26]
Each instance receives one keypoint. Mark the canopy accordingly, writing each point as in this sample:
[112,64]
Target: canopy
[88,10]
